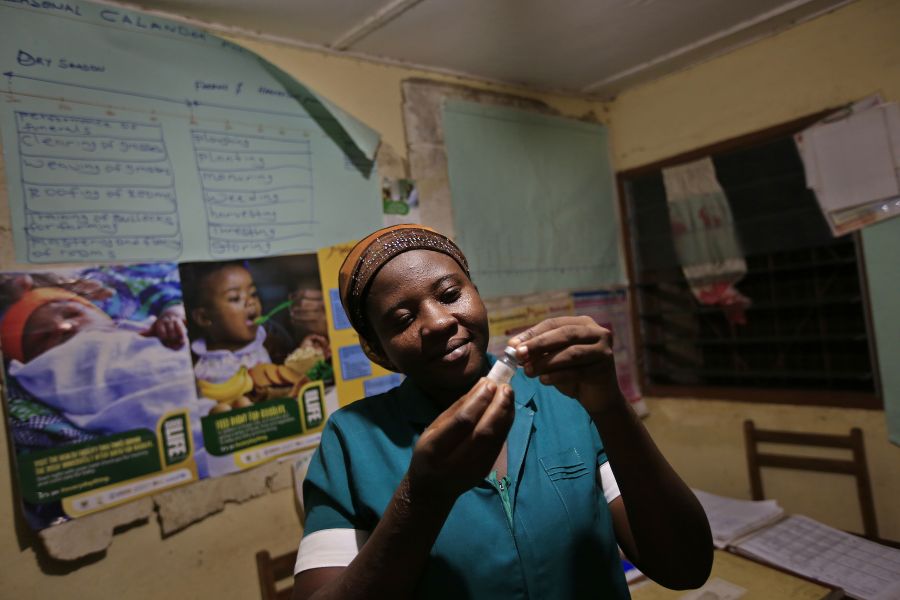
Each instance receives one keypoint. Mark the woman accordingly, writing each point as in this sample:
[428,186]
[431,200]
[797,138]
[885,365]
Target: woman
[450,486]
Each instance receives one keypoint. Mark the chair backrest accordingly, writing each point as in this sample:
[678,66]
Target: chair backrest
[856,466]
[271,571]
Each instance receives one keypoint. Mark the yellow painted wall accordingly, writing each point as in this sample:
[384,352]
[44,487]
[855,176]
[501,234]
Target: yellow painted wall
[827,62]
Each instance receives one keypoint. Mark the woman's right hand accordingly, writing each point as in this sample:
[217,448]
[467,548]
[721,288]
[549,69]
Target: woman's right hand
[459,448]
[452,455]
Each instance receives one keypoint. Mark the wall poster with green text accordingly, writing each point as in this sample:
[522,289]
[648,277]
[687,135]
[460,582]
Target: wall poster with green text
[99,395]
[262,360]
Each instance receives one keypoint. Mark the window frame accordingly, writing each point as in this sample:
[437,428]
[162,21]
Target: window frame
[802,397]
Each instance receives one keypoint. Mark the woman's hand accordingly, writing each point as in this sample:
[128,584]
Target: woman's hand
[459,448]
[574,354]
[452,455]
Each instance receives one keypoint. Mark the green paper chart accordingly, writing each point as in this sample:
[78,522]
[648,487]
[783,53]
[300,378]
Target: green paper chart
[533,200]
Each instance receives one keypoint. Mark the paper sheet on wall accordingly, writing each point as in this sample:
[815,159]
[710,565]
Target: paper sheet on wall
[851,160]
[131,137]
[854,159]
[533,200]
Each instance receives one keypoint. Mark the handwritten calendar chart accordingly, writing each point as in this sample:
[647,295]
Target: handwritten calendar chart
[127,137]
[257,191]
[96,189]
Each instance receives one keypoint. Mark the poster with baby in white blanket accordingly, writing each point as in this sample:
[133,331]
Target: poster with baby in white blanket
[100,396]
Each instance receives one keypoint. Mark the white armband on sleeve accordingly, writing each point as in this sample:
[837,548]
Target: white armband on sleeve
[329,548]
[608,483]
[338,547]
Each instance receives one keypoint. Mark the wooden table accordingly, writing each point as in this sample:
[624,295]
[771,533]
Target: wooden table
[762,582]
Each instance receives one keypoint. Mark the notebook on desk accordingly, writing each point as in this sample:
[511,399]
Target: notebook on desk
[862,568]
[760,530]
[731,519]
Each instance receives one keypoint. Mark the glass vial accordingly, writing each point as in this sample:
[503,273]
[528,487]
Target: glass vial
[505,367]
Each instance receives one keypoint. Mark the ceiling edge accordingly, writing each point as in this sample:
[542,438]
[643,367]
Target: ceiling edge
[655,68]
[375,21]
[232,30]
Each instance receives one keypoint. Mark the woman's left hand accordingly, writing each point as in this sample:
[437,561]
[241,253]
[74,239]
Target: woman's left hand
[574,354]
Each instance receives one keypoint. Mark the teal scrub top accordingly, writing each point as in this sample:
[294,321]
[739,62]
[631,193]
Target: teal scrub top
[560,542]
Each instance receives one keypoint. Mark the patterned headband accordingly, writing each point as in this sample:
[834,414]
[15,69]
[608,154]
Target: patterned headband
[375,251]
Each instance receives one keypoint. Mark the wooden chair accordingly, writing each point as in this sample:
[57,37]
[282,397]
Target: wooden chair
[855,466]
[271,571]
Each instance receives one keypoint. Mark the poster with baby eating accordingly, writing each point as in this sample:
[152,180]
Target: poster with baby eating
[124,380]
[261,357]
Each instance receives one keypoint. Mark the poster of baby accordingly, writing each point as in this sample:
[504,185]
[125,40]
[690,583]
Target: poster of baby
[261,357]
[99,392]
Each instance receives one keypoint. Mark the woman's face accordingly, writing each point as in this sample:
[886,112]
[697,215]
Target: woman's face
[232,303]
[429,321]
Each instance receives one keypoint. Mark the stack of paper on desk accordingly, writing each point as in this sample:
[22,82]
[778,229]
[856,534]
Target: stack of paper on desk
[731,519]
[863,569]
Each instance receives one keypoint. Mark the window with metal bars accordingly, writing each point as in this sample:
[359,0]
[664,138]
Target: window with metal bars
[805,339]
